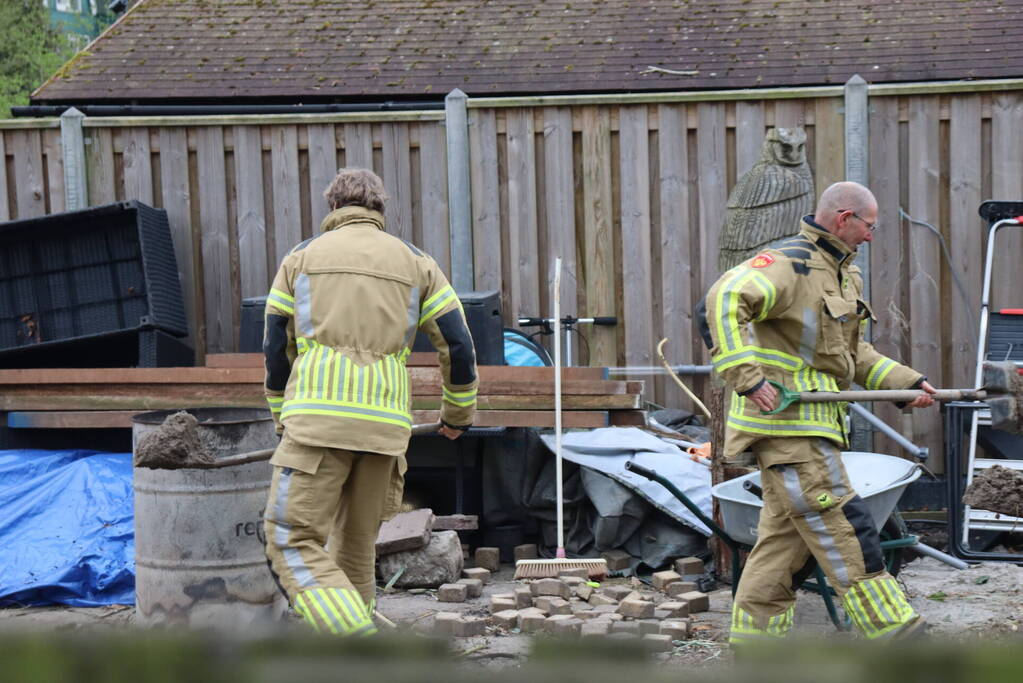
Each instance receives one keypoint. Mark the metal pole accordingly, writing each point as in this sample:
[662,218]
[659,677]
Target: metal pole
[917,452]
[456,122]
[72,142]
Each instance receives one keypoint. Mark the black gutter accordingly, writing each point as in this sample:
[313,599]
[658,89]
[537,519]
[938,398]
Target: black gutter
[51,110]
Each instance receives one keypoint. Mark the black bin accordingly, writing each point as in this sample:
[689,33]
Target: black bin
[91,288]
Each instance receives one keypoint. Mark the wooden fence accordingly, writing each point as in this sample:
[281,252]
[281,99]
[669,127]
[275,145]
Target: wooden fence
[631,193]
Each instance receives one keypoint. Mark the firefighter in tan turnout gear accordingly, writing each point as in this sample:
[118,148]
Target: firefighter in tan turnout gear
[795,315]
[341,318]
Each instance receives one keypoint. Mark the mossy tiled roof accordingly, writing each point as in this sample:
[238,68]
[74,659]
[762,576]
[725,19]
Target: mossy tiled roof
[415,49]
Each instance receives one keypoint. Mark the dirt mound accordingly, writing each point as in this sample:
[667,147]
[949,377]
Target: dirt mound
[174,445]
[997,489]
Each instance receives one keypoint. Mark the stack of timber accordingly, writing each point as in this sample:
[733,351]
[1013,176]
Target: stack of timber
[108,397]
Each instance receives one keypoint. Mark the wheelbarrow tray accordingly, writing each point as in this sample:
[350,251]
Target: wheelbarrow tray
[878,479]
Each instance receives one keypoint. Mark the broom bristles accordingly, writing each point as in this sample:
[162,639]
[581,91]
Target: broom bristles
[550,569]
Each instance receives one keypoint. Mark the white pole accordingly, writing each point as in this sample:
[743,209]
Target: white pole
[557,408]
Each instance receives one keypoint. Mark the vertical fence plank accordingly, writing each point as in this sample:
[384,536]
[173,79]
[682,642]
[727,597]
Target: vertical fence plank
[177,202]
[486,210]
[749,135]
[358,145]
[522,218]
[286,189]
[215,242]
[397,178]
[713,190]
[675,229]
[829,143]
[28,160]
[54,154]
[599,247]
[252,235]
[99,157]
[322,170]
[966,231]
[138,167]
[1007,183]
[789,113]
[5,202]
[637,287]
[925,262]
[433,151]
[559,199]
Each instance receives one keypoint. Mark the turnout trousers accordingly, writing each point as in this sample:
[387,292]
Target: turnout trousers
[322,518]
[811,512]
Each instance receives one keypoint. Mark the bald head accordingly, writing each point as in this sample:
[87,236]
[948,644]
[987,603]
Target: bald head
[843,196]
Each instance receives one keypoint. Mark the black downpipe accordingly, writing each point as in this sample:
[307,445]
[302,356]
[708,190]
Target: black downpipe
[51,110]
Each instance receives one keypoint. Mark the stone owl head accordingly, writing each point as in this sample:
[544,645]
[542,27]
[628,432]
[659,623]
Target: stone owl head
[785,146]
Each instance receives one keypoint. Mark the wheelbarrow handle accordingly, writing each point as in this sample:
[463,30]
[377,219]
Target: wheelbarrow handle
[641,471]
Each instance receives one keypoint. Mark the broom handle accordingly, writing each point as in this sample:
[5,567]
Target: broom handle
[557,408]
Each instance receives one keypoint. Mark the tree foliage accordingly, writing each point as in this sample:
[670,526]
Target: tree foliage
[30,51]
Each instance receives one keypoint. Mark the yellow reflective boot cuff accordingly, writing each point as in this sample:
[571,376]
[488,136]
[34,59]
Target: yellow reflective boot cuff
[335,610]
[878,607]
[746,627]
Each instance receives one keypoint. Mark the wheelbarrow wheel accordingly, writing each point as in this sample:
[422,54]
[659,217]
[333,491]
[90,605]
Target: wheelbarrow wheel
[894,528]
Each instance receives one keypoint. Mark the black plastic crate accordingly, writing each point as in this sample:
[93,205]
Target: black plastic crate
[78,288]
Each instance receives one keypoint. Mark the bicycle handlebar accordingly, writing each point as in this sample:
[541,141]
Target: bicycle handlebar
[568,320]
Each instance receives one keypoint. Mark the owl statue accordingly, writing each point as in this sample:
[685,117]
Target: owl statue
[769,200]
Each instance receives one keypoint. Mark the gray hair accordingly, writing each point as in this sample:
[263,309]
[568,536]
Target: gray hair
[356,187]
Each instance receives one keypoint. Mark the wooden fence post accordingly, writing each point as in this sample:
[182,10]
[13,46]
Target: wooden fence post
[72,141]
[459,193]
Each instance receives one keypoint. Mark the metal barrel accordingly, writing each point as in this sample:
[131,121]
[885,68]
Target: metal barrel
[199,559]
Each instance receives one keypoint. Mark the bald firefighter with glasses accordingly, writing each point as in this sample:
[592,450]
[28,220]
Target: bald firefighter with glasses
[795,314]
[341,317]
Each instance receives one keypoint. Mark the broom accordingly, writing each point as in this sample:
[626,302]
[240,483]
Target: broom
[539,569]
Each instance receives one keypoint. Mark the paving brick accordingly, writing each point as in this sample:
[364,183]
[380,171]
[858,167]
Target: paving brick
[595,628]
[662,579]
[614,616]
[625,627]
[679,587]
[616,592]
[477,573]
[583,591]
[532,622]
[577,573]
[465,551]
[661,613]
[637,609]
[405,531]
[676,608]
[572,581]
[606,609]
[623,636]
[506,619]
[640,595]
[456,523]
[488,558]
[617,559]
[677,629]
[649,626]
[444,623]
[525,552]
[523,597]
[698,602]
[599,599]
[587,615]
[552,605]
[689,567]
[453,592]
[551,587]
[564,628]
[467,627]
[474,587]
[502,602]
[656,642]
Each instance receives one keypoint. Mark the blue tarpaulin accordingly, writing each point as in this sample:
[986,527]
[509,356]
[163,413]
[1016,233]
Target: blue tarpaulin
[67,531]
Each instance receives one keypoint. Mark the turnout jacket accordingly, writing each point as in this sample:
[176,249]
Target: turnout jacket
[341,318]
[795,315]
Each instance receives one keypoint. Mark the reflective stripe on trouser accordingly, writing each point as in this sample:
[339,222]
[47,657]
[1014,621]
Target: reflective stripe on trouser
[810,508]
[746,627]
[342,497]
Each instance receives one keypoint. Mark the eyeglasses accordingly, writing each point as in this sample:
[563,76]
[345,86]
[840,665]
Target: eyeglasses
[870,226]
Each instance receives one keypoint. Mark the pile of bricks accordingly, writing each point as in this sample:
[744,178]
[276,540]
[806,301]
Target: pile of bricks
[570,607]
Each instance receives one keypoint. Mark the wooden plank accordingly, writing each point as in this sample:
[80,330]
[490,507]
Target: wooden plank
[559,200]
[526,263]
[433,165]
[598,221]
[829,143]
[99,162]
[70,377]
[965,243]
[54,154]
[322,170]
[234,360]
[71,419]
[214,241]
[248,168]
[138,165]
[675,233]
[637,288]
[925,265]
[29,183]
[486,210]
[1007,183]
[397,178]
[712,188]
[359,145]
[5,201]
[789,113]
[749,135]
[177,202]
[286,190]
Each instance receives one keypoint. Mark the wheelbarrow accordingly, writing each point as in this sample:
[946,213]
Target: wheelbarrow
[879,480]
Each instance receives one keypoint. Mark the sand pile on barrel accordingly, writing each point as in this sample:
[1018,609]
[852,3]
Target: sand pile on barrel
[174,445]
[997,489]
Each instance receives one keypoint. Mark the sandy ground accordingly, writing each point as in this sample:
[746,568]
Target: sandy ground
[984,602]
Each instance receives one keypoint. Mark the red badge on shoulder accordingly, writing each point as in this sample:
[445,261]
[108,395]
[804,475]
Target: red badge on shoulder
[762,260]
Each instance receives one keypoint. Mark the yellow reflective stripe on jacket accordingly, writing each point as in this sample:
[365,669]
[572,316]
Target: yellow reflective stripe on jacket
[878,371]
[459,398]
[827,426]
[281,300]
[275,403]
[436,303]
[744,625]
[728,298]
[778,359]
[878,607]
